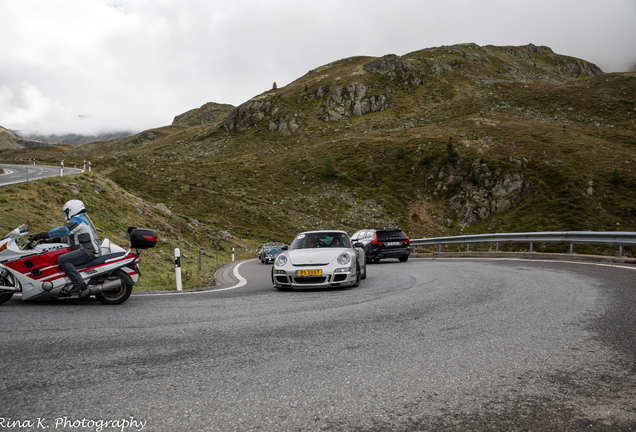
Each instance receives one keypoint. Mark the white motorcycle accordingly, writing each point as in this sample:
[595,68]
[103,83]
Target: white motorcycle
[31,268]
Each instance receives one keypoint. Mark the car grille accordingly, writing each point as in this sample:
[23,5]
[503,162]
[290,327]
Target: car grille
[310,280]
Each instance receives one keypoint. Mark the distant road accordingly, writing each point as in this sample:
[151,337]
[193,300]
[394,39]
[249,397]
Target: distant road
[21,173]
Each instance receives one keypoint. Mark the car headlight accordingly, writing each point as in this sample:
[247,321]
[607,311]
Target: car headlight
[343,258]
[281,260]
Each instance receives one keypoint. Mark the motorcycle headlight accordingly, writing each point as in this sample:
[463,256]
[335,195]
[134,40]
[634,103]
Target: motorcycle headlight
[344,258]
[281,260]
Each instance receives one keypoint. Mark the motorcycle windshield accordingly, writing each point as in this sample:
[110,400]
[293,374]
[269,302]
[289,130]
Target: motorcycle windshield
[24,228]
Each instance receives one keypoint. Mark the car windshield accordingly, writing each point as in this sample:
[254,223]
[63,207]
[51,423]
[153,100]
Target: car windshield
[276,250]
[320,240]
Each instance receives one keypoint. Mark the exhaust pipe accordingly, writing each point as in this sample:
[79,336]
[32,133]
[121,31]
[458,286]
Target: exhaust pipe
[110,285]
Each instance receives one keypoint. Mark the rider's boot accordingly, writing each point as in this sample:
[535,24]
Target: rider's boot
[75,289]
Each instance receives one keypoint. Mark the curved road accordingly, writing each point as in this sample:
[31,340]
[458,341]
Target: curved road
[21,173]
[423,345]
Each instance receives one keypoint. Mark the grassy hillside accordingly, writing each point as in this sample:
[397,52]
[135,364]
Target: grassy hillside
[443,141]
[112,210]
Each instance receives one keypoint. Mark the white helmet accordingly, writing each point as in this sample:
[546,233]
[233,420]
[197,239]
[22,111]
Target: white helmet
[73,208]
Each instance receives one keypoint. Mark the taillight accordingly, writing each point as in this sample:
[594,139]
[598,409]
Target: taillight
[375,240]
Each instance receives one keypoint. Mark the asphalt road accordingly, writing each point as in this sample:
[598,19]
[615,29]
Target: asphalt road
[21,173]
[423,345]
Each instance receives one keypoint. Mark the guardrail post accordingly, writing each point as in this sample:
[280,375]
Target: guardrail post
[531,247]
[620,251]
[439,248]
[497,246]
[467,247]
[571,248]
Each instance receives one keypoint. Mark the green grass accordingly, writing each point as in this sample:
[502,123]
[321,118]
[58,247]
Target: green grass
[112,210]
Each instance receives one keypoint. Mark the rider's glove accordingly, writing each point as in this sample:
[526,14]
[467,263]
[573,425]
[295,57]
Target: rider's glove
[39,236]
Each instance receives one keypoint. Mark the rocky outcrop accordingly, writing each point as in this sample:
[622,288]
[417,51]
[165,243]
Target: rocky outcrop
[247,115]
[285,126]
[577,67]
[438,67]
[396,69]
[482,191]
[209,113]
[342,103]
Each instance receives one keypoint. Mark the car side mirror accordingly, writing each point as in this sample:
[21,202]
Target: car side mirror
[358,244]
[285,248]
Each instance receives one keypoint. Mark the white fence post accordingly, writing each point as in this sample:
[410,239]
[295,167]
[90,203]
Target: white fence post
[177,268]
[232,254]
[62,169]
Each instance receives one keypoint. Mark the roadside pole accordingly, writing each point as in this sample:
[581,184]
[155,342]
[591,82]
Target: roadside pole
[177,268]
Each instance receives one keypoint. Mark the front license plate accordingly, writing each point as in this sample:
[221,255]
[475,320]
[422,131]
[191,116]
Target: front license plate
[394,243]
[309,272]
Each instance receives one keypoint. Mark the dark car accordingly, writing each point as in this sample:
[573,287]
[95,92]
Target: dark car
[384,243]
[270,251]
[269,254]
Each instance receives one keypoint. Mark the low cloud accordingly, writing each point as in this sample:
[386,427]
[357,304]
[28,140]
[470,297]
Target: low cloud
[79,66]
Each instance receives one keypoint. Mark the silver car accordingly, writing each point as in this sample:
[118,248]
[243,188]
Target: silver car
[320,259]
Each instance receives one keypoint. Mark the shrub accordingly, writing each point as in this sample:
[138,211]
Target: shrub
[427,158]
[474,177]
[401,151]
[329,169]
[453,156]
[616,178]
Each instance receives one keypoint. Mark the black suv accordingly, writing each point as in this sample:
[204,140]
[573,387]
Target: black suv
[384,243]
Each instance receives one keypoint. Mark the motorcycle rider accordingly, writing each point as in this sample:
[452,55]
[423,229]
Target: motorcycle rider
[82,237]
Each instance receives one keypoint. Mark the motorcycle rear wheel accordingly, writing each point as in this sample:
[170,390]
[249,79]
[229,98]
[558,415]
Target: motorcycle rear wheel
[116,297]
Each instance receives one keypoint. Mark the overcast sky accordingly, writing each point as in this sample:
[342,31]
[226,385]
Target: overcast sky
[89,66]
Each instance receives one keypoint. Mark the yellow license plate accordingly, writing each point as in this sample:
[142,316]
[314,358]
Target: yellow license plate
[309,272]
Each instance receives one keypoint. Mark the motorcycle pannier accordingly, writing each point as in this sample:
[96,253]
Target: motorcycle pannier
[142,238]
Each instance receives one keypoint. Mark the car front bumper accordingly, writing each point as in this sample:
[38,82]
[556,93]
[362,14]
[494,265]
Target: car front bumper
[288,279]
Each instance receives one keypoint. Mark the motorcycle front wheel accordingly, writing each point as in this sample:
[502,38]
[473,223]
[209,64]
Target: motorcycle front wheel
[5,296]
[116,297]
[9,281]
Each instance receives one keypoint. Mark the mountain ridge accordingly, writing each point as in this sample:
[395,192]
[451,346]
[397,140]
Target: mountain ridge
[531,130]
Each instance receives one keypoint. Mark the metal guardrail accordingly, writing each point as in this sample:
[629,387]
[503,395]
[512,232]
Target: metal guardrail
[609,238]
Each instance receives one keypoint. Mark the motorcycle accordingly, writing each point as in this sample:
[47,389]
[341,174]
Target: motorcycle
[31,268]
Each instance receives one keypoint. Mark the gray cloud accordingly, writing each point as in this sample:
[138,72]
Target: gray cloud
[87,66]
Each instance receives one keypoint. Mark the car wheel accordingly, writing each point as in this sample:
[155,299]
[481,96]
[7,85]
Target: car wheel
[357,276]
[364,271]
[404,258]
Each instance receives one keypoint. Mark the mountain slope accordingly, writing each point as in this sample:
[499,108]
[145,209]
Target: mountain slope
[10,140]
[440,141]
[112,210]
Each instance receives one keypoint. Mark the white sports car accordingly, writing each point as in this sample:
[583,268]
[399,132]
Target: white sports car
[319,259]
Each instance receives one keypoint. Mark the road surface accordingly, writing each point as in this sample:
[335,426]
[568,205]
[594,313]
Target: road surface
[21,173]
[443,345]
